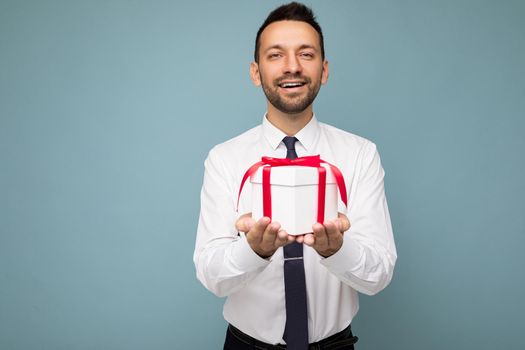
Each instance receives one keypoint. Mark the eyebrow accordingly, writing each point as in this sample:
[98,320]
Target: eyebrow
[302,47]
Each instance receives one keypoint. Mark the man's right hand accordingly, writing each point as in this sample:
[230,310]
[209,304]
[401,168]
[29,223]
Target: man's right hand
[262,236]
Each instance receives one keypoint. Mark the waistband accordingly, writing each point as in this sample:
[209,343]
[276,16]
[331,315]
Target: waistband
[345,337]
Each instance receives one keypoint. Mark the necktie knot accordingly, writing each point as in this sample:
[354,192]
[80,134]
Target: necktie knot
[289,142]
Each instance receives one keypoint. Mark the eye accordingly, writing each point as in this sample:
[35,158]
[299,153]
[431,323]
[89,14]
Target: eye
[307,55]
[274,55]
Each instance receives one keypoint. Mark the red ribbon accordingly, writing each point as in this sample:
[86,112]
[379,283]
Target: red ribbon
[310,161]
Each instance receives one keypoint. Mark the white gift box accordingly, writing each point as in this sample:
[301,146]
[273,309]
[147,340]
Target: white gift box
[294,192]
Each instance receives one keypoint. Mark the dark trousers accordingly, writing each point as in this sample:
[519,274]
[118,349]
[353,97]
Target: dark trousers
[237,340]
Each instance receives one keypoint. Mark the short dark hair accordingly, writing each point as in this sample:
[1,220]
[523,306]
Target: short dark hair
[293,11]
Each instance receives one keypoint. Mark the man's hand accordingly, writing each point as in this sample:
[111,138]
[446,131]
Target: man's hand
[264,237]
[327,239]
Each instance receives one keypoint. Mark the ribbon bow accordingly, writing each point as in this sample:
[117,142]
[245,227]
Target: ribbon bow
[310,161]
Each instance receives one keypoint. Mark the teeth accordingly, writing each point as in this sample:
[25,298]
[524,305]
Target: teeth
[286,85]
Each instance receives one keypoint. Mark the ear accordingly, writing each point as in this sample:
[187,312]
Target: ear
[324,75]
[254,73]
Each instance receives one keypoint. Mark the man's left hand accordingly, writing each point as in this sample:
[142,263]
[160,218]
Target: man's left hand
[327,239]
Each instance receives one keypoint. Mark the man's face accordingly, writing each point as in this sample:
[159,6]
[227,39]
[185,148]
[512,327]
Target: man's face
[290,69]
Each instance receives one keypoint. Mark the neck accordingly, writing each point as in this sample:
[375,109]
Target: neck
[290,124]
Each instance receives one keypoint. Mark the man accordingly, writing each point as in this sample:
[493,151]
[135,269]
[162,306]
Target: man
[272,304]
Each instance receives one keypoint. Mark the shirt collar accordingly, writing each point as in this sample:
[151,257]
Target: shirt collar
[306,136]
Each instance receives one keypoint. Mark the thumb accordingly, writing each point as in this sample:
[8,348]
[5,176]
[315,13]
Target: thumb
[245,223]
[343,222]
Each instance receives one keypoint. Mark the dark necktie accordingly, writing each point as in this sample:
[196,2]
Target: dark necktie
[296,328]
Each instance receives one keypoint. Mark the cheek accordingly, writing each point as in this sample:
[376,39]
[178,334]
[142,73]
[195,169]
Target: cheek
[313,71]
[266,78]
[322,77]
[269,73]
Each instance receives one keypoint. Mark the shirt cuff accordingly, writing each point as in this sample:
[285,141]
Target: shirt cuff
[244,256]
[348,258]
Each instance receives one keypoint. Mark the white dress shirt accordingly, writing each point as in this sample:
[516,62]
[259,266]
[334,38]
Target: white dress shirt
[254,286]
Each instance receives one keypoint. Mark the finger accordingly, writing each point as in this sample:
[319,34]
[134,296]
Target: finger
[344,222]
[281,239]
[244,223]
[299,238]
[309,239]
[255,234]
[269,236]
[291,239]
[333,233]
[331,228]
[321,239]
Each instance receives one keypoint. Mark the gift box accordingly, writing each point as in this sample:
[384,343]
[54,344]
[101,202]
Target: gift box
[294,197]
[295,193]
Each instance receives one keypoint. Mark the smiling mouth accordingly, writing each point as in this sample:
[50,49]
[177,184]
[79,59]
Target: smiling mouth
[291,84]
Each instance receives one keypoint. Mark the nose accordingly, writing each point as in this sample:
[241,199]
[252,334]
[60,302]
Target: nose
[292,65]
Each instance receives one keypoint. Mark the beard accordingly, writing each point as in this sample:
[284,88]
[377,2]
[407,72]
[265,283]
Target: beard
[291,103]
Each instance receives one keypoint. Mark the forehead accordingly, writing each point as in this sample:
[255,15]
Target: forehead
[289,34]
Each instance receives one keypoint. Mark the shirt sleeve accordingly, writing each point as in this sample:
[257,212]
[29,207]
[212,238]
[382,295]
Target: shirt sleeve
[223,258]
[368,255]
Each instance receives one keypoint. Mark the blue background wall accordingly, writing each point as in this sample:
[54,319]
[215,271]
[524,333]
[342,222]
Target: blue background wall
[100,178]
